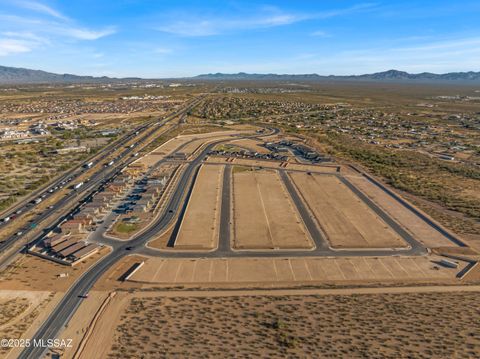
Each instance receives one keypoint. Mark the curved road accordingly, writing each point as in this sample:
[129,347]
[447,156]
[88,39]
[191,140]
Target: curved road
[74,297]
[100,176]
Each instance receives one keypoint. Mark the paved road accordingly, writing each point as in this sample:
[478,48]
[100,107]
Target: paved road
[322,248]
[74,172]
[225,220]
[72,299]
[100,178]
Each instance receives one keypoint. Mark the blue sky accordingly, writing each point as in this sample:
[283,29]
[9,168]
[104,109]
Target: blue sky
[151,38]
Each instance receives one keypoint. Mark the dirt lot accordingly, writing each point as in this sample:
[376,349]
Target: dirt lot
[21,313]
[274,164]
[346,220]
[18,310]
[294,271]
[366,325]
[252,145]
[421,230]
[83,322]
[33,273]
[170,146]
[264,214]
[200,225]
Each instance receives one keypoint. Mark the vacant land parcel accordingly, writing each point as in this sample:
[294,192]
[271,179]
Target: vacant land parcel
[264,214]
[200,225]
[284,271]
[347,221]
[419,228]
[328,326]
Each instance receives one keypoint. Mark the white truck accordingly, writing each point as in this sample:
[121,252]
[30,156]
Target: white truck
[78,185]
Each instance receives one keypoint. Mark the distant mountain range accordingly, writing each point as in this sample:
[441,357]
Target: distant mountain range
[390,75]
[14,75]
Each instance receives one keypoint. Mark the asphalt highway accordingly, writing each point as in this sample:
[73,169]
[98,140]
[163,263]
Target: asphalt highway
[322,248]
[73,298]
[72,173]
[100,178]
[176,204]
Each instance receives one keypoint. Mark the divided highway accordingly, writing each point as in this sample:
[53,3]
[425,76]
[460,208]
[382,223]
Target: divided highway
[98,179]
[76,294]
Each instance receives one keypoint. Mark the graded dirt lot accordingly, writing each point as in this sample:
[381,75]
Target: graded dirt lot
[29,272]
[161,152]
[264,214]
[345,219]
[420,230]
[289,326]
[18,310]
[21,313]
[252,145]
[195,146]
[94,324]
[273,164]
[294,271]
[200,225]
[84,321]
[197,140]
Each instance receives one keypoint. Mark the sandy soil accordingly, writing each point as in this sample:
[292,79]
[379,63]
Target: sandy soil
[33,273]
[200,225]
[161,241]
[421,230]
[171,145]
[100,338]
[366,325]
[111,279]
[293,271]
[80,323]
[273,164]
[473,275]
[346,220]
[264,215]
[252,145]
[21,313]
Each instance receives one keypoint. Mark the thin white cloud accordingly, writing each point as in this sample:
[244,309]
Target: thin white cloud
[87,34]
[41,8]
[197,26]
[206,27]
[441,45]
[191,28]
[163,51]
[320,33]
[441,56]
[345,11]
[46,29]
[25,35]
[12,46]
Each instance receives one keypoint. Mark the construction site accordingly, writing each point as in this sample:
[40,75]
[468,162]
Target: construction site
[231,214]
[250,224]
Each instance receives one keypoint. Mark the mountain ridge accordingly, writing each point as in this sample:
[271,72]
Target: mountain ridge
[19,75]
[16,75]
[390,75]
